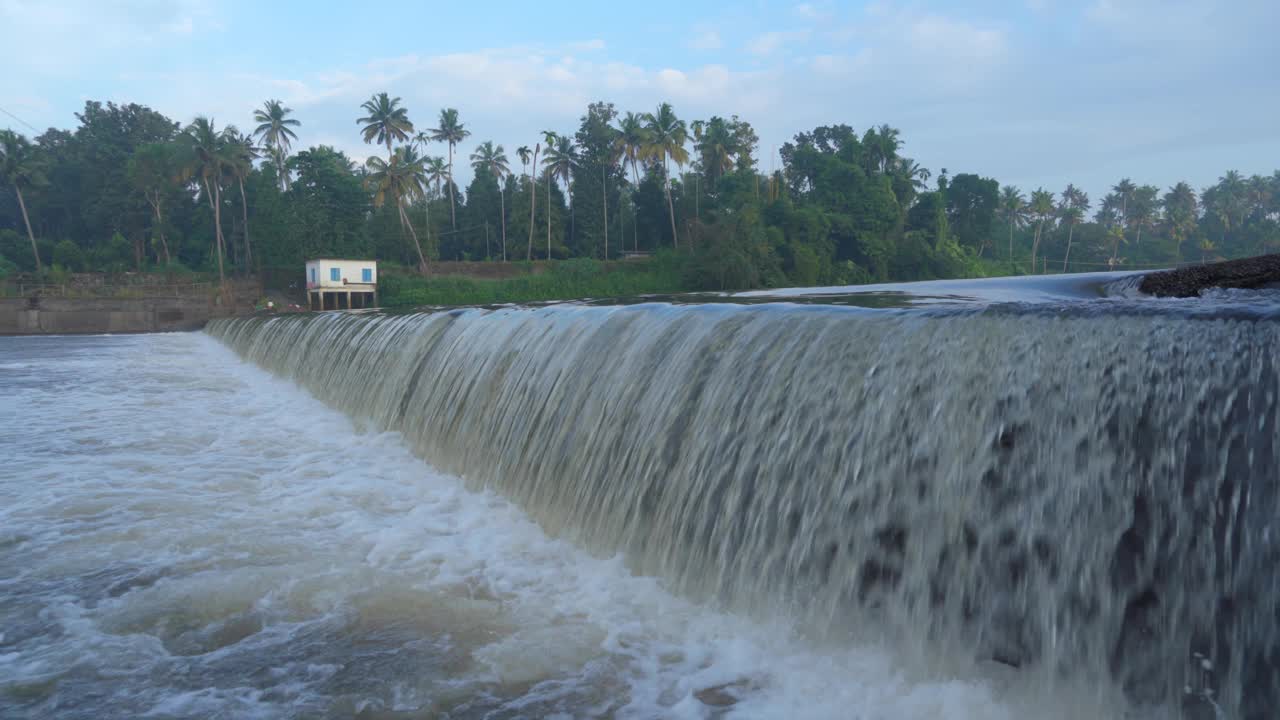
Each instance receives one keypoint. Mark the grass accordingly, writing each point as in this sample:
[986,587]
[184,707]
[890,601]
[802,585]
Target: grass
[570,279]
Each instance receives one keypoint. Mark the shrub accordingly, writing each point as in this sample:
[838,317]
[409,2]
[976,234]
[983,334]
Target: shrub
[68,255]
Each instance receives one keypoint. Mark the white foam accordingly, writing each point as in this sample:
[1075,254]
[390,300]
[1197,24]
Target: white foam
[239,502]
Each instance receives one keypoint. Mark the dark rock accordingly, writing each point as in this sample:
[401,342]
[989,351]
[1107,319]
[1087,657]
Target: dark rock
[1188,282]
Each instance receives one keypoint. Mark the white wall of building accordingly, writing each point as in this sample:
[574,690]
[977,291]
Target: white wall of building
[321,273]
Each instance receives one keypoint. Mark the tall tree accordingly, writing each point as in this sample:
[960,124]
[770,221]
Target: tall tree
[1144,203]
[524,153]
[533,199]
[19,167]
[667,135]
[561,161]
[549,137]
[153,171]
[451,132]
[1181,209]
[386,122]
[240,156]
[207,160]
[632,141]
[1042,208]
[494,159]
[400,179]
[1013,207]
[1072,211]
[275,132]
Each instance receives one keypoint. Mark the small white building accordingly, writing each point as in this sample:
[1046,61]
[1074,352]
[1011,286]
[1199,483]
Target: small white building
[341,284]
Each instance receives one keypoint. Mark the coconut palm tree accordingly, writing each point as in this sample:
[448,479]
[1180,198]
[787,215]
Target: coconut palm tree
[275,131]
[435,170]
[207,159]
[1013,206]
[403,178]
[1042,208]
[1143,206]
[632,141]
[19,167]
[1228,202]
[667,136]
[549,137]
[524,153]
[452,132]
[240,156]
[914,172]
[1181,208]
[494,159]
[561,161]
[533,199]
[386,122]
[1074,204]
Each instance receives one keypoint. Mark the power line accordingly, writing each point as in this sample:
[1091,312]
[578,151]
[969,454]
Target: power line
[24,122]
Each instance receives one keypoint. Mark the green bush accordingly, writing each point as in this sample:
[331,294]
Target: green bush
[7,267]
[68,255]
[115,256]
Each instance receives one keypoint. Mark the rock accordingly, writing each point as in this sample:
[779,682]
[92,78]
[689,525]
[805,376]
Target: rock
[720,695]
[1188,282]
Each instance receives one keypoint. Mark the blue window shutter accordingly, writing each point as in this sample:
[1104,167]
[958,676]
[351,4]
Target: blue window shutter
[366,275]
[335,274]
[313,274]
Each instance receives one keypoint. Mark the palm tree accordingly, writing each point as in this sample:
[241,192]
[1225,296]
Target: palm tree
[275,130]
[666,139]
[1042,209]
[20,167]
[533,199]
[915,173]
[523,152]
[1180,211]
[452,132]
[152,172]
[1124,189]
[401,178]
[208,159]
[632,141]
[1074,204]
[1227,201]
[1013,206]
[889,145]
[494,159]
[435,170]
[240,156]
[1142,209]
[561,162]
[549,137]
[386,121]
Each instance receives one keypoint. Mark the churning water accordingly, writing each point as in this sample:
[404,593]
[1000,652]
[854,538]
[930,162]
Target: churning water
[1053,511]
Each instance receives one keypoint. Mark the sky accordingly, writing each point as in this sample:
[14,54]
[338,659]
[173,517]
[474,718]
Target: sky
[1031,92]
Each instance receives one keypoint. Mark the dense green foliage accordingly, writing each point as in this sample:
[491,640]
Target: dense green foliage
[130,189]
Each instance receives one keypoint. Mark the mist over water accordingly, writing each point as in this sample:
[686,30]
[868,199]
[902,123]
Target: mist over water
[647,511]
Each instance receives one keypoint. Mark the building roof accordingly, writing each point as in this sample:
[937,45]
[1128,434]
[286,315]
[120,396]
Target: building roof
[322,259]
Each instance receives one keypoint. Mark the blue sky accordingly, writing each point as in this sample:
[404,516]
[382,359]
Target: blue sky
[1031,92]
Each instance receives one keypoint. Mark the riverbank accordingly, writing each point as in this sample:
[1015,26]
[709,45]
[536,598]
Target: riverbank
[69,310]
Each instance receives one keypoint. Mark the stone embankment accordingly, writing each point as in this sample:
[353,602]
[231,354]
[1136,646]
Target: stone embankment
[44,313]
[1251,272]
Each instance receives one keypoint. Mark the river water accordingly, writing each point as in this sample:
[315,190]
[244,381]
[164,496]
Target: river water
[772,511]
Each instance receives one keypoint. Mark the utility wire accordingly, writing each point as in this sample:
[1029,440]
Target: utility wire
[24,122]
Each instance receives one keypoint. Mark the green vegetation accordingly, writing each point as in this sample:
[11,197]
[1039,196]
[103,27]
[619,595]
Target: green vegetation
[130,189]
[578,278]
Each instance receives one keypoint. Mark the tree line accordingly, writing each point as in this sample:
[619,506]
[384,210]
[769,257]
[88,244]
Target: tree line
[130,189]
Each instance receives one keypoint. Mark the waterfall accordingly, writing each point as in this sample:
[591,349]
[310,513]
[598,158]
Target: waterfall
[1081,495]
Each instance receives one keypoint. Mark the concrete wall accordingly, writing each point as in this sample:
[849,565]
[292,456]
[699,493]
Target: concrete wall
[58,316]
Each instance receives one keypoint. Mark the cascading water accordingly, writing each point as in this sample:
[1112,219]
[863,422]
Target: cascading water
[1088,496]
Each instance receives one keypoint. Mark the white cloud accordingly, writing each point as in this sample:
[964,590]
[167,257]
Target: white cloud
[588,45]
